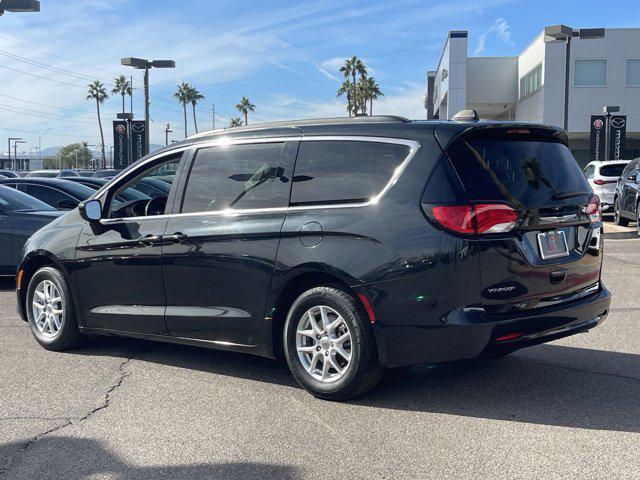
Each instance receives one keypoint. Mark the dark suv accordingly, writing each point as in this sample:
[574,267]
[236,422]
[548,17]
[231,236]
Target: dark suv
[345,245]
[626,200]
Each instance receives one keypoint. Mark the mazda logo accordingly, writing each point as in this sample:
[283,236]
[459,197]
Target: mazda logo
[618,122]
[137,127]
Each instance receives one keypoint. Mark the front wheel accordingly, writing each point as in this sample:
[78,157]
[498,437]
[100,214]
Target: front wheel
[50,311]
[617,219]
[329,345]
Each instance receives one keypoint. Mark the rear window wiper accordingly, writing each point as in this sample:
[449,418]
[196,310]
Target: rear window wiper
[566,195]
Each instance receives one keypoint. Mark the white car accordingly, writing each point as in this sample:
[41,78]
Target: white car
[603,176]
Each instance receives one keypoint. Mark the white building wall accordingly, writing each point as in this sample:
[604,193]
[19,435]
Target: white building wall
[451,76]
[531,109]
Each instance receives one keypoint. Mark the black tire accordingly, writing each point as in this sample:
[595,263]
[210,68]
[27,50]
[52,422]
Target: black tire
[638,218]
[68,335]
[617,218]
[364,370]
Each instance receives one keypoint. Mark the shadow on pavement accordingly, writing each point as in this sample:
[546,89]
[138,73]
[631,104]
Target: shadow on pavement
[77,458]
[547,384]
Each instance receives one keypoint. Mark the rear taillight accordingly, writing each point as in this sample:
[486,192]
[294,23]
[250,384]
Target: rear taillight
[476,219]
[593,209]
[604,182]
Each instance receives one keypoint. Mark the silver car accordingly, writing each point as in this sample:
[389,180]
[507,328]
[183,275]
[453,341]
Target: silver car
[603,176]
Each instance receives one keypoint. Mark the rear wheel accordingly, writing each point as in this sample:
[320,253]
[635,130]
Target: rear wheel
[50,311]
[329,345]
[638,218]
[617,219]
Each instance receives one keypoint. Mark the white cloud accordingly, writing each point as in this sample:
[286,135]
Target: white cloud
[331,68]
[501,29]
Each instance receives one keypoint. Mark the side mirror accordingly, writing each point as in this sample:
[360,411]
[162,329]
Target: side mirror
[91,210]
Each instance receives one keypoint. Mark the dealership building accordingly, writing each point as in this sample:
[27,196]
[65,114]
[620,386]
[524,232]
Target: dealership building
[530,87]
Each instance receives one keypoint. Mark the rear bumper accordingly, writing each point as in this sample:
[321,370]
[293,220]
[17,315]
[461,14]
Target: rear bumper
[467,333]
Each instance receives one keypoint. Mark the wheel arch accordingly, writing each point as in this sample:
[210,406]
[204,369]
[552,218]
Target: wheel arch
[33,262]
[295,284]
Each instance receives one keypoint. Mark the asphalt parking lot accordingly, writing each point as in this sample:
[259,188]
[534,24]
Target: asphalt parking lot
[122,408]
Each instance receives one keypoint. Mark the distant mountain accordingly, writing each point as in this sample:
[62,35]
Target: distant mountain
[50,151]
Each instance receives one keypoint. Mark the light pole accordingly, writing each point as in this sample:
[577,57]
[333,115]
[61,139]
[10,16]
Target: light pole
[40,144]
[10,139]
[146,65]
[15,152]
[19,6]
[563,33]
[167,131]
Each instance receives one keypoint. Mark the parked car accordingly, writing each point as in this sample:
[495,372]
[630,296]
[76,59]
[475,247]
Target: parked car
[52,173]
[58,193]
[107,173]
[20,216]
[344,245]
[9,174]
[126,195]
[603,177]
[626,206]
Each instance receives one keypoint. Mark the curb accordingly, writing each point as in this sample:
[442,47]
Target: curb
[620,235]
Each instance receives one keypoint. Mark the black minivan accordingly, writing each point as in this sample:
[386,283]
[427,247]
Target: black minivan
[344,245]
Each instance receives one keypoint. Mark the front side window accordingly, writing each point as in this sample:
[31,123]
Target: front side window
[633,72]
[590,73]
[145,195]
[243,176]
[344,171]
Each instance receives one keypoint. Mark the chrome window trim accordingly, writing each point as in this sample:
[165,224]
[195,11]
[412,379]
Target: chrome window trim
[413,145]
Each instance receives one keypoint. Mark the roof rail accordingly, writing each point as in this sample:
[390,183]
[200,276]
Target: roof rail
[308,122]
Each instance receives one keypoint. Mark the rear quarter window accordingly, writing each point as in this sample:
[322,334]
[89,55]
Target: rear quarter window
[614,170]
[344,171]
[525,173]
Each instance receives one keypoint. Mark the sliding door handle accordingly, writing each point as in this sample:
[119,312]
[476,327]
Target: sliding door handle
[175,238]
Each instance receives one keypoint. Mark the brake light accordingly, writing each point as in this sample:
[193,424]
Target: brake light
[604,182]
[476,219]
[594,210]
[519,131]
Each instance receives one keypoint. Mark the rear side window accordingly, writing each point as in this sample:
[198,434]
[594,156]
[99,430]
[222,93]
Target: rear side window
[344,171]
[613,170]
[50,196]
[236,176]
[525,173]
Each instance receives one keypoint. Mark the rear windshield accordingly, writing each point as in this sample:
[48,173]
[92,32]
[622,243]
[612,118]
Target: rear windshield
[525,173]
[613,170]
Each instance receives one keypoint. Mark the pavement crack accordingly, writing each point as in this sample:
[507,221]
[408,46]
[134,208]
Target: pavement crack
[66,421]
[592,372]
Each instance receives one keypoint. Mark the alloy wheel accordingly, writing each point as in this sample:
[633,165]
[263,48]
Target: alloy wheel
[47,309]
[323,343]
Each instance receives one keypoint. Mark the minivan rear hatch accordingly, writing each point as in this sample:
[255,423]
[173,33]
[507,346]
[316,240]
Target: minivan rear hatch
[549,250]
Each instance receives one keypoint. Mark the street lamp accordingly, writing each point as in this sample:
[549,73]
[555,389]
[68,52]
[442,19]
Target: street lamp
[10,139]
[167,131]
[15,153]
[40,144]
[563,33]
[146,65]
[19,6]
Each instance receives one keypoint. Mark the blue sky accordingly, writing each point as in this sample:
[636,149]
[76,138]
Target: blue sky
[283,55]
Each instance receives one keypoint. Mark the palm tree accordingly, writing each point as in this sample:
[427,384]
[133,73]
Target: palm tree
[182,95]
[122,87]
[194,97]
[352,67]
[235,122]
[245,106]
[371,91]
[97,92]
[347,90]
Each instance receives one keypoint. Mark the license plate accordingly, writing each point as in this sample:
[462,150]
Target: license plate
[552,245]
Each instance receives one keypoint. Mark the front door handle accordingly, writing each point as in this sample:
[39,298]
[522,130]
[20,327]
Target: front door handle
[150,240]
[177,237]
